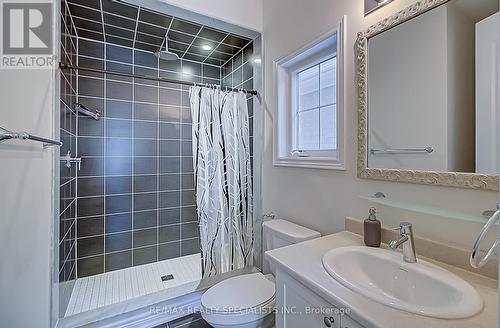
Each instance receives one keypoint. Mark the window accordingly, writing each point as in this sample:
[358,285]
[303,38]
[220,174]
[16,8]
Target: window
[309,126]
[314,113]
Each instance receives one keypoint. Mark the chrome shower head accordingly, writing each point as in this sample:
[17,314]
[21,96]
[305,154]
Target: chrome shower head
[166,54]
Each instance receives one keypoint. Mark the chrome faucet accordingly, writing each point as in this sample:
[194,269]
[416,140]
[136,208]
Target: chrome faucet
[405,239]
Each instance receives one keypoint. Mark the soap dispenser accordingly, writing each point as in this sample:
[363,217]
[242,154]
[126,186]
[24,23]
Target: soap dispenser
[372,229]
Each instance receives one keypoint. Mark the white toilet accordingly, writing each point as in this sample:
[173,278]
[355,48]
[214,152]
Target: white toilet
[248,301]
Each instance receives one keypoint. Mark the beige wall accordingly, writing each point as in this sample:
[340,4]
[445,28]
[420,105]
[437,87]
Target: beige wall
[321,199]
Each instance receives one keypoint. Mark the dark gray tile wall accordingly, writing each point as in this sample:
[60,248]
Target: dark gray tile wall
[238,72]
[129,25]
[67,207]
[136,201]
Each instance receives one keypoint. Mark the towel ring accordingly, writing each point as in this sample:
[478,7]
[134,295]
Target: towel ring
[475,249]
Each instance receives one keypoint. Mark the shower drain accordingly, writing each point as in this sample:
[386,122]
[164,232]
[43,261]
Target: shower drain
[167,277]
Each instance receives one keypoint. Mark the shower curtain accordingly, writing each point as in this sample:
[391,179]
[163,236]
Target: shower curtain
[223,178]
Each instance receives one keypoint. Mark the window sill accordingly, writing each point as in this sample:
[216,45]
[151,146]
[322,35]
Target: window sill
[310,163]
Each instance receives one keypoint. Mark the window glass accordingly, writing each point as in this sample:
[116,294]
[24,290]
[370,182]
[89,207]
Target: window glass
[308,129]
[308,84]
[315,114]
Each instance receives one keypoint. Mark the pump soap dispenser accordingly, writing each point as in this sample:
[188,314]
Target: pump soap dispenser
[372,229]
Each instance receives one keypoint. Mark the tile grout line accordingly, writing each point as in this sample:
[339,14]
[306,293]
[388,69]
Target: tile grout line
[77,153]
[128,212]
[180,162]
[128,156]
[136,25]
[102,23]
[136,193]
[133,80]
[158,165]
[129,101]
[105,152]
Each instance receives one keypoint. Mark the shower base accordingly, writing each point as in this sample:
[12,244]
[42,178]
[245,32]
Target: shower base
[113,287]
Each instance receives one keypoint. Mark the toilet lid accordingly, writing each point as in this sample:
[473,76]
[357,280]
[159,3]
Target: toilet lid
[239,293]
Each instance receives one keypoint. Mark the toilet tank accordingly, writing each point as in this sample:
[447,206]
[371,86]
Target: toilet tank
[280,233]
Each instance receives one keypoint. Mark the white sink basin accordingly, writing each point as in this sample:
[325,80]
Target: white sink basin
[422,288]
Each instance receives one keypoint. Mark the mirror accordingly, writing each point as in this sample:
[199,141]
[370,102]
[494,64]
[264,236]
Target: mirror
[427,95]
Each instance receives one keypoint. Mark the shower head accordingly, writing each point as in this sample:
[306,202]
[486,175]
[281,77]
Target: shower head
[166,54]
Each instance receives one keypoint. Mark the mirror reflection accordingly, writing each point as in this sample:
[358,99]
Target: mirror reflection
[431,91]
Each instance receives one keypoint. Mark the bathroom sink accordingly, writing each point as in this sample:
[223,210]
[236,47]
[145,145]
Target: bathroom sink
[422,288]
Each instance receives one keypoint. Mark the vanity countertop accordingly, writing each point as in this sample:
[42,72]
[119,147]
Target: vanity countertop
[304,263]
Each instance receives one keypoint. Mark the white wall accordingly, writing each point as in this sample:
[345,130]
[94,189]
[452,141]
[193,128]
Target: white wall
[321,199]
[28,198]
[26,208]
[246,13]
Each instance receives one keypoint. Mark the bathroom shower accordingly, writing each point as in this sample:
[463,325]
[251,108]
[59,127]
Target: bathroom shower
[128,204]
[165,166]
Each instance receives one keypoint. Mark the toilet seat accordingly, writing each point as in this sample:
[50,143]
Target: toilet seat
[239,300]
[245,292]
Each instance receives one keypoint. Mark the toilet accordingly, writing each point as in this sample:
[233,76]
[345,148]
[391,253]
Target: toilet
[248,301]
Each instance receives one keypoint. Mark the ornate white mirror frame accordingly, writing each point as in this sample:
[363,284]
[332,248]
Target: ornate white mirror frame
[450,179]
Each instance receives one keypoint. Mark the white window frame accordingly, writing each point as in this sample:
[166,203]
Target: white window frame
[285,71]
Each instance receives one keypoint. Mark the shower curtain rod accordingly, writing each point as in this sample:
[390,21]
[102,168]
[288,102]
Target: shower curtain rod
[146,77]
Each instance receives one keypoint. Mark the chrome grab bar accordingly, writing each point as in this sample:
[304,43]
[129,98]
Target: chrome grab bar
[7,135]
[426,150]
[475,249]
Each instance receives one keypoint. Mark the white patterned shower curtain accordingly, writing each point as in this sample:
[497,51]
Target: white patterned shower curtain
[223,178]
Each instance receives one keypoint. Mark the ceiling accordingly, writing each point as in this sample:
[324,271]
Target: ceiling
[133,26]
